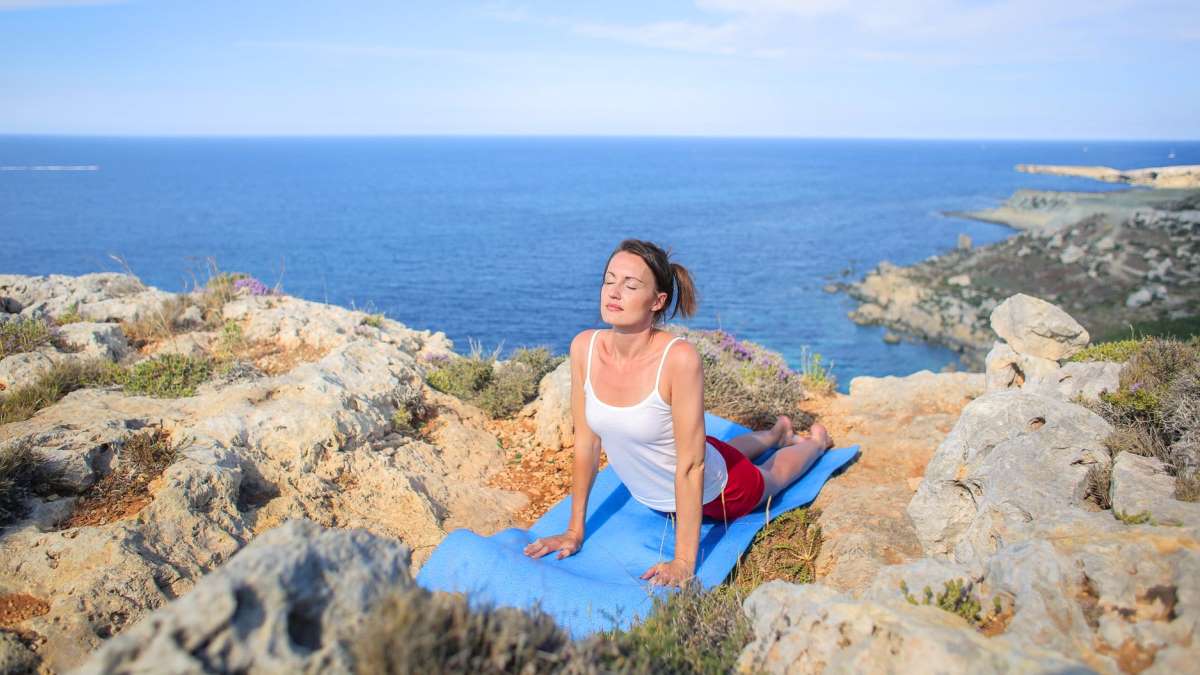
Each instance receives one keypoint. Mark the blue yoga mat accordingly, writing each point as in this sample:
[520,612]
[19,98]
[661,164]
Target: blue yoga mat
[599,587]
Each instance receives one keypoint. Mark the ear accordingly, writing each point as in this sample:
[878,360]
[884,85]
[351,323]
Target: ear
[660,303]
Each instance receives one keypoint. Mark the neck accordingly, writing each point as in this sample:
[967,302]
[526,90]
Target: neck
[631,343]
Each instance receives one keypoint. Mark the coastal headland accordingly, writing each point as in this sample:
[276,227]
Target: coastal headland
[1121,262]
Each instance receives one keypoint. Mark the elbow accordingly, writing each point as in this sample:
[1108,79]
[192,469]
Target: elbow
[690,471]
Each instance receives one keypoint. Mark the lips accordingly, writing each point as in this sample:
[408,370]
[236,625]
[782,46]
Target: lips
[615,308]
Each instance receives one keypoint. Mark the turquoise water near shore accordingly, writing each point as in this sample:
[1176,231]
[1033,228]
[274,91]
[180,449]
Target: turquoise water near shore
[503,240]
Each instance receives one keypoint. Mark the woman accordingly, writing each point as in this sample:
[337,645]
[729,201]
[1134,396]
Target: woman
[655,441]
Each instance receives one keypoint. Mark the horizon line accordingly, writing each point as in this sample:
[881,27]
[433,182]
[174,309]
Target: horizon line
[334,136]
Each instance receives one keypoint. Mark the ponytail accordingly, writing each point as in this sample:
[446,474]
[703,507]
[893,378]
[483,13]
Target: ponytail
[685,299]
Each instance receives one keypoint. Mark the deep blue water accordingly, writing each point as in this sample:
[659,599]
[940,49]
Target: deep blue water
[504,239]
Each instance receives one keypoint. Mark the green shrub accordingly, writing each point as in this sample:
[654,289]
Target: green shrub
[463,377]
[373,320]
[72,315]
[958,598]
[167,376]
[500,389]
[745,382]
[787,549]
[56,382]
[689,631]
[1155,411]
[1118,351]
[24,335]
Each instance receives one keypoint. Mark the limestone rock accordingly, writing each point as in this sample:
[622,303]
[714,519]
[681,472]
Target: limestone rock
[288,602]
[97,340]
[1034,327]
[959,280]
[1013,463]
[920,390]
[555,428]
[1141,486]
[811,628]
[15,657]
[1006,369]
[1085,379]
[916,576]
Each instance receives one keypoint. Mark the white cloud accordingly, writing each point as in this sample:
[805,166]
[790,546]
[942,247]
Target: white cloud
[944,32]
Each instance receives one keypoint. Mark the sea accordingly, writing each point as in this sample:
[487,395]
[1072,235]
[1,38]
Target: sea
[501,242]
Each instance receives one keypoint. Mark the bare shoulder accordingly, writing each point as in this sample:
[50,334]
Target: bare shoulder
[684,358]
[579,343]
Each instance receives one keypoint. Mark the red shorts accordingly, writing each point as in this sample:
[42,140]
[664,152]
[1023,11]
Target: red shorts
[742,492]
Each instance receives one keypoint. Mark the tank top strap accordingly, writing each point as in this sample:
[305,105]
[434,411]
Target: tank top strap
[588,375]
[661,363]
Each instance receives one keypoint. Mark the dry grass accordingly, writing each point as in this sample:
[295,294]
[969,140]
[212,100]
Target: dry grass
[23,472]
[414,631]
[787,549]
[126,490]
[1155,412]
[24,335]
[56,382]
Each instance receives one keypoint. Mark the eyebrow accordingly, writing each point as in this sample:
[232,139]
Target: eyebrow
[627,276]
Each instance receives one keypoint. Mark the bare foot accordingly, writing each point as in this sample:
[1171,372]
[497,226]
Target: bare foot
[783,431]
[819,433]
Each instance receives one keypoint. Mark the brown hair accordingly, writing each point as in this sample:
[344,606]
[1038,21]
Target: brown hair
[669,277]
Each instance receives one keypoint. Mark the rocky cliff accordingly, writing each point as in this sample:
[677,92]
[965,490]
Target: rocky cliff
[1111,259]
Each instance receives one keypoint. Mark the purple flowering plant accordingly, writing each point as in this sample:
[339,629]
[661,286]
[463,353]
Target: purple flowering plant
[252,286]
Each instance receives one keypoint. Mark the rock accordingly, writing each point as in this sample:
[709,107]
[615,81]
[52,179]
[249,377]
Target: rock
[959,280]
[964,241]
[920,391]
[15,657]
[1013,464]
[1141,486]
[1034,327]
[811,628]
[1138,298]
[288,602]
[1002,369]
[1071,254]
[197,344]
[190,318]
[830,288]
[916,575]
[1084,379]
[97,340]
[1006,369]
[555,428]
[24,368]
[891,338]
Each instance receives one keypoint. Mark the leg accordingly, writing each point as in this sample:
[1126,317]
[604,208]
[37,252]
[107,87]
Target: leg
[756,443]
[790,462]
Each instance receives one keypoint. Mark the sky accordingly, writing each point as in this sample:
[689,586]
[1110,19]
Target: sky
[953,69]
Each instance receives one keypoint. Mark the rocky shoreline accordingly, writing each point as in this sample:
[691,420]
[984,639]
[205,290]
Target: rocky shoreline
[1111,259]
[295,501]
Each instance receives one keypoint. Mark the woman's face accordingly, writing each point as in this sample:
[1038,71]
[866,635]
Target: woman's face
[628,297]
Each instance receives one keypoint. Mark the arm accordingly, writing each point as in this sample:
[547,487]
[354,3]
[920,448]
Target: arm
[583,472]
[685,381]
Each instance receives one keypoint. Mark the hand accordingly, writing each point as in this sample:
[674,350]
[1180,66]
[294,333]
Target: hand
[674,573]
[566,544]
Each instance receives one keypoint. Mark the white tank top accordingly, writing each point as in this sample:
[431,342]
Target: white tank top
[639,440]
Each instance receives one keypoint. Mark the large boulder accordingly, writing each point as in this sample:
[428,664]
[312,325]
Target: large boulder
[1013,462]
[288,602]
[812,628]
[554,427]
[1034,327]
